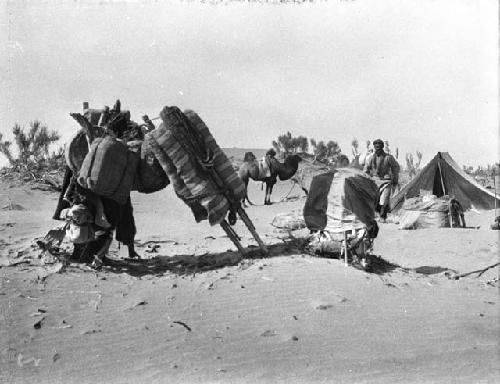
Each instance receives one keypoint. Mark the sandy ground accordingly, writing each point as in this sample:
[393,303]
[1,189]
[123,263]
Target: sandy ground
[195,313]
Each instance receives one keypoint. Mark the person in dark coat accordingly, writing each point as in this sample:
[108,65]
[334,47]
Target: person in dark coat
[385,170]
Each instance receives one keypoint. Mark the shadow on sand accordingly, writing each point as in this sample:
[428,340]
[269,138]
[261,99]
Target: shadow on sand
[191,264]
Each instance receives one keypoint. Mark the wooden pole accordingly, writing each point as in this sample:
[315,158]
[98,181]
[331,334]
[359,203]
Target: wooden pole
[495,189]
[233,236]
[345,248]
[444,191]
[251,228]
[441,178]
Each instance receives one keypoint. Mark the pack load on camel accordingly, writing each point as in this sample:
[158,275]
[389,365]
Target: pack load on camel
[444,177]
[116,138]
[104,163]
[201,174]
[340,213]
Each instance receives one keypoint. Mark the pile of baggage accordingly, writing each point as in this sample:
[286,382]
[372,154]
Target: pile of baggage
[340,213]
[181,152]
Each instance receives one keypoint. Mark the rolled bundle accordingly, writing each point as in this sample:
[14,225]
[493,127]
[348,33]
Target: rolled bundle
[221,163]
[205,203]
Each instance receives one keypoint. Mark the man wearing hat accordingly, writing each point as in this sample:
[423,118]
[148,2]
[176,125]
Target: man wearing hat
[384,168]
[265,163]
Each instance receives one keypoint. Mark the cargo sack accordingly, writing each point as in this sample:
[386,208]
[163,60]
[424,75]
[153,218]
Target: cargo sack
[290,221]
[150,175]
[80,234]
[79,229]
[428,211]
[109,169]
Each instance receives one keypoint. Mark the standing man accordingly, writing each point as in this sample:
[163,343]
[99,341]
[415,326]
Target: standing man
[385,170]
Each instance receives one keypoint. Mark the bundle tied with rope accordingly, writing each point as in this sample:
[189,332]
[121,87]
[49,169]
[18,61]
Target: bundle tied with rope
[340,213]
[200,173]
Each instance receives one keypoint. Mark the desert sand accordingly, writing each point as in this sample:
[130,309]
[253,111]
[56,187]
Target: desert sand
[195,311]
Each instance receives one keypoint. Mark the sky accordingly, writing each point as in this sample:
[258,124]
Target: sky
[422,75]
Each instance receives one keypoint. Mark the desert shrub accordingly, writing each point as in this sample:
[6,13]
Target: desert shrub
[287,143]
[329,152]
[32,156]
[412,165]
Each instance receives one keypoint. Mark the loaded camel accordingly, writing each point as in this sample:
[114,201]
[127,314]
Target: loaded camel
[251,170]
[76,150]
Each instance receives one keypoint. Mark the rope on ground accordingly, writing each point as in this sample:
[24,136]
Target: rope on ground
[288,194]
[478,271]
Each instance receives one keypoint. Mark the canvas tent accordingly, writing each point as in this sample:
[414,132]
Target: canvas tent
[443,176]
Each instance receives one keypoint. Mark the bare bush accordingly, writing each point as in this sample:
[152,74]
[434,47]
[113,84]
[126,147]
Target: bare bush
[32,156]
[412,165]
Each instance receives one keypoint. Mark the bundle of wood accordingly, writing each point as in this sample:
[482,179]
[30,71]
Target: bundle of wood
[201,174]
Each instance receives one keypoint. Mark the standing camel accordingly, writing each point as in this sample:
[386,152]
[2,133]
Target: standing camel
[119,215]
[251,170]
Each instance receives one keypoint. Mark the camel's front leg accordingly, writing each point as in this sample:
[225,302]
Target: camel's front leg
[269,190]
[246,199]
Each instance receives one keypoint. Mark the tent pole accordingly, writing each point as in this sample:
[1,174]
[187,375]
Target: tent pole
[495,189]
[444,191]
[441,178]
[345,248]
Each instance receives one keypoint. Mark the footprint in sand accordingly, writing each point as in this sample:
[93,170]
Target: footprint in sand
[269,333]
[328,302]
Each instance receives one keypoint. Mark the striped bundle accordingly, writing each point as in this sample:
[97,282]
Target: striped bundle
[200,173]
[221,163]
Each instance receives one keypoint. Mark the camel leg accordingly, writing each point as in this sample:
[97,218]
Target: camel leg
[266,196]
[246,199]
[269,191]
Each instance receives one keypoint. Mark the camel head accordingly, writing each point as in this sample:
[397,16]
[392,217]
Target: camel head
[249,157]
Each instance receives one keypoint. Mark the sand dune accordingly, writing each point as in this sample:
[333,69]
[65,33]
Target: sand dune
[194,311]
